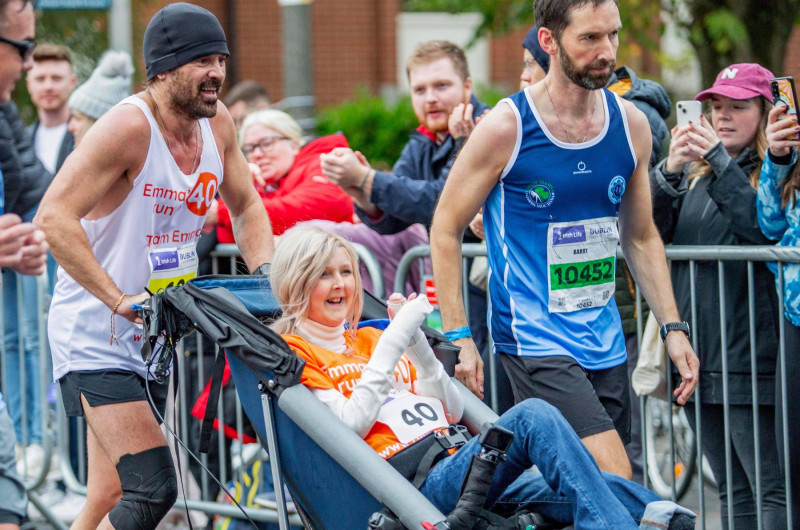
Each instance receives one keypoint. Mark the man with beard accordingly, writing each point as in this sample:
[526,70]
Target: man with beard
[561,171]
[126,211]
[441,95]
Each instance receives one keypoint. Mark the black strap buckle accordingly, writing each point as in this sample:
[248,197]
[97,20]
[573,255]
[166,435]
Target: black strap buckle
[452,437]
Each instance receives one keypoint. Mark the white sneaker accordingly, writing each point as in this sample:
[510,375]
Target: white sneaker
[267,499]
[49,494]
[54,472]
[68,508]
[30,463]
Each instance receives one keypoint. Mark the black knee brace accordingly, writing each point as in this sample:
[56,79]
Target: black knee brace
[149,489]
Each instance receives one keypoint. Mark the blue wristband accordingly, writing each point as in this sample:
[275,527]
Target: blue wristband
[458,333]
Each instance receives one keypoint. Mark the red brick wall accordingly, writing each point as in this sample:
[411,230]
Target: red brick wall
[256,45]
[791,63]
[505,60]
[355,44]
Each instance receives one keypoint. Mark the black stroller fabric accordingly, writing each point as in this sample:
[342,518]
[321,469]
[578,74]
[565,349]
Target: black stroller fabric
[225,320]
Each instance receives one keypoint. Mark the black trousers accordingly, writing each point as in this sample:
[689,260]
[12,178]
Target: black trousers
[792,346]
[743,463]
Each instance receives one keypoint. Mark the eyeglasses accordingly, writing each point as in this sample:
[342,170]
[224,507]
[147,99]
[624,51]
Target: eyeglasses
[265,144]
[24,47]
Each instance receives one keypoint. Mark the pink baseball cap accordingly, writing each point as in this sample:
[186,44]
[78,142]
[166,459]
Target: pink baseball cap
[740,81]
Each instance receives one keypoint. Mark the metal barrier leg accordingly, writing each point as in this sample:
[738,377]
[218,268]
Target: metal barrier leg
[274,461]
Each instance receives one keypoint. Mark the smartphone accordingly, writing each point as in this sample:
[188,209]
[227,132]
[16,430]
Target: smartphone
[783,92]
[688,111]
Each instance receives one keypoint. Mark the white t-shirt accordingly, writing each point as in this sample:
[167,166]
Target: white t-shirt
[148,241]
[48,143]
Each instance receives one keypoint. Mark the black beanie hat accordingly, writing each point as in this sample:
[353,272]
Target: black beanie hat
[178,34]
[531,43]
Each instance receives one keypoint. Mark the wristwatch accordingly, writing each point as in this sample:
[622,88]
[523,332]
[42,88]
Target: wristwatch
[261,270]
[675,326]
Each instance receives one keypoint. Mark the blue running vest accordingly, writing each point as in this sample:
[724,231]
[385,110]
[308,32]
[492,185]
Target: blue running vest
[551,231]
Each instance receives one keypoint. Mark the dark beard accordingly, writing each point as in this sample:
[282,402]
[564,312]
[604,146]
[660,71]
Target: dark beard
[188,100]
[582,77]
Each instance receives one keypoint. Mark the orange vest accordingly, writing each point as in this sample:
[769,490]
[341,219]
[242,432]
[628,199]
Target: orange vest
[342,371]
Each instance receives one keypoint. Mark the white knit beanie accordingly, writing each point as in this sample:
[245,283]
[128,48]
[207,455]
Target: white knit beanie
[109,84]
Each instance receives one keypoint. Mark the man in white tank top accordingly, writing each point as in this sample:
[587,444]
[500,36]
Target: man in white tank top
[528,141]
[125,213]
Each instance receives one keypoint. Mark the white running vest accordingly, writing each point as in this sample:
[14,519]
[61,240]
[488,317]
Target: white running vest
[148,241]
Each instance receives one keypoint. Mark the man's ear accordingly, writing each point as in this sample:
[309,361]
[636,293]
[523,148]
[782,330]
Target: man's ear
[548,41]
[467,90]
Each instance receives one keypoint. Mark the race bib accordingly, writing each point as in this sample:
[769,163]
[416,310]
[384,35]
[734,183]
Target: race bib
[171,266]
[581,261]
[411,416]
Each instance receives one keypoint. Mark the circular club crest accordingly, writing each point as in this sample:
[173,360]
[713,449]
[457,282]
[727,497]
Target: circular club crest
[616,188]
[540,194]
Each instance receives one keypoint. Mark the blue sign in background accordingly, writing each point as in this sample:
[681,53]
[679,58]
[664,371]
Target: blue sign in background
[73,4]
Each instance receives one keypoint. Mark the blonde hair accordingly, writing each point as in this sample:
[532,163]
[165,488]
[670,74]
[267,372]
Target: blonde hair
[299,261]
[759,145]
[274,119]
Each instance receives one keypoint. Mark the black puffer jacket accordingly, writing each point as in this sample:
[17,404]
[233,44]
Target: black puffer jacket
[25,178]
[720,209]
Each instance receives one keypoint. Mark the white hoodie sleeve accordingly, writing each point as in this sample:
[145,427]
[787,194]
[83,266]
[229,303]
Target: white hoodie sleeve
[361,410]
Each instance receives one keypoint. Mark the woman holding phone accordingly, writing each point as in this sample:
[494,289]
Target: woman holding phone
[704,193]
[779,218]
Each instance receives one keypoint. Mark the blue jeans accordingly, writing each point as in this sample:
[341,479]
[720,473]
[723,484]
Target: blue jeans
[14,286]
[569,487]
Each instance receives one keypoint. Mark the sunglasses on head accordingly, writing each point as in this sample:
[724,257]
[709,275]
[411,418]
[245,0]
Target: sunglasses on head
[24,47]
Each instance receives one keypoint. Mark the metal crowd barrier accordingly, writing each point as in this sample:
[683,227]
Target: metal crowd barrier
[670,415]
[194,493]
[56,437]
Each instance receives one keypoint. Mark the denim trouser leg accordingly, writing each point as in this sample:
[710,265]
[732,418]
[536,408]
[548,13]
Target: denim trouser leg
[28,326]
[577,491]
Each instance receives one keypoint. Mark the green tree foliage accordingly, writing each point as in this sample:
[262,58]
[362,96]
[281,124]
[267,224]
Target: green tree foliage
[84,32]
[721,32]
[377,129]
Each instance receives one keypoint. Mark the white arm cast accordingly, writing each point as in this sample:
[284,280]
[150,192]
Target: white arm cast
[361,410]
[432,380]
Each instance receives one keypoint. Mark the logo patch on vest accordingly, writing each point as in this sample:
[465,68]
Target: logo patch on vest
[616,188]
[540,194]
[202,195]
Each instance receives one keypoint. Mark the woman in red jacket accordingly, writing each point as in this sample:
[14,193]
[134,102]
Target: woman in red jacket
[287,176]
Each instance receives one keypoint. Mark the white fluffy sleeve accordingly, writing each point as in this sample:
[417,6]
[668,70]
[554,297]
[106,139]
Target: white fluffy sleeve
[361,410]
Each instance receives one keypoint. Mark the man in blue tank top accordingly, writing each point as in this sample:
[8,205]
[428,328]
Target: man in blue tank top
[560,169]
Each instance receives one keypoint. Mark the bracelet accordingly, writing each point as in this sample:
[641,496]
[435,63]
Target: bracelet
[113,335]
[364,180]
[116,306]
[458,333]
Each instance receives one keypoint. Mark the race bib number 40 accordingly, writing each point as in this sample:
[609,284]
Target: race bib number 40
[171,266]
[411,416]
[581,261]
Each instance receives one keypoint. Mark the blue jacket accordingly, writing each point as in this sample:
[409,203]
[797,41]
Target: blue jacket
[409,193]
[784,224]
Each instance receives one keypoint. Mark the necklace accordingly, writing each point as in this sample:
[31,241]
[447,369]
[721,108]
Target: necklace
[160,121]
[564,129]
